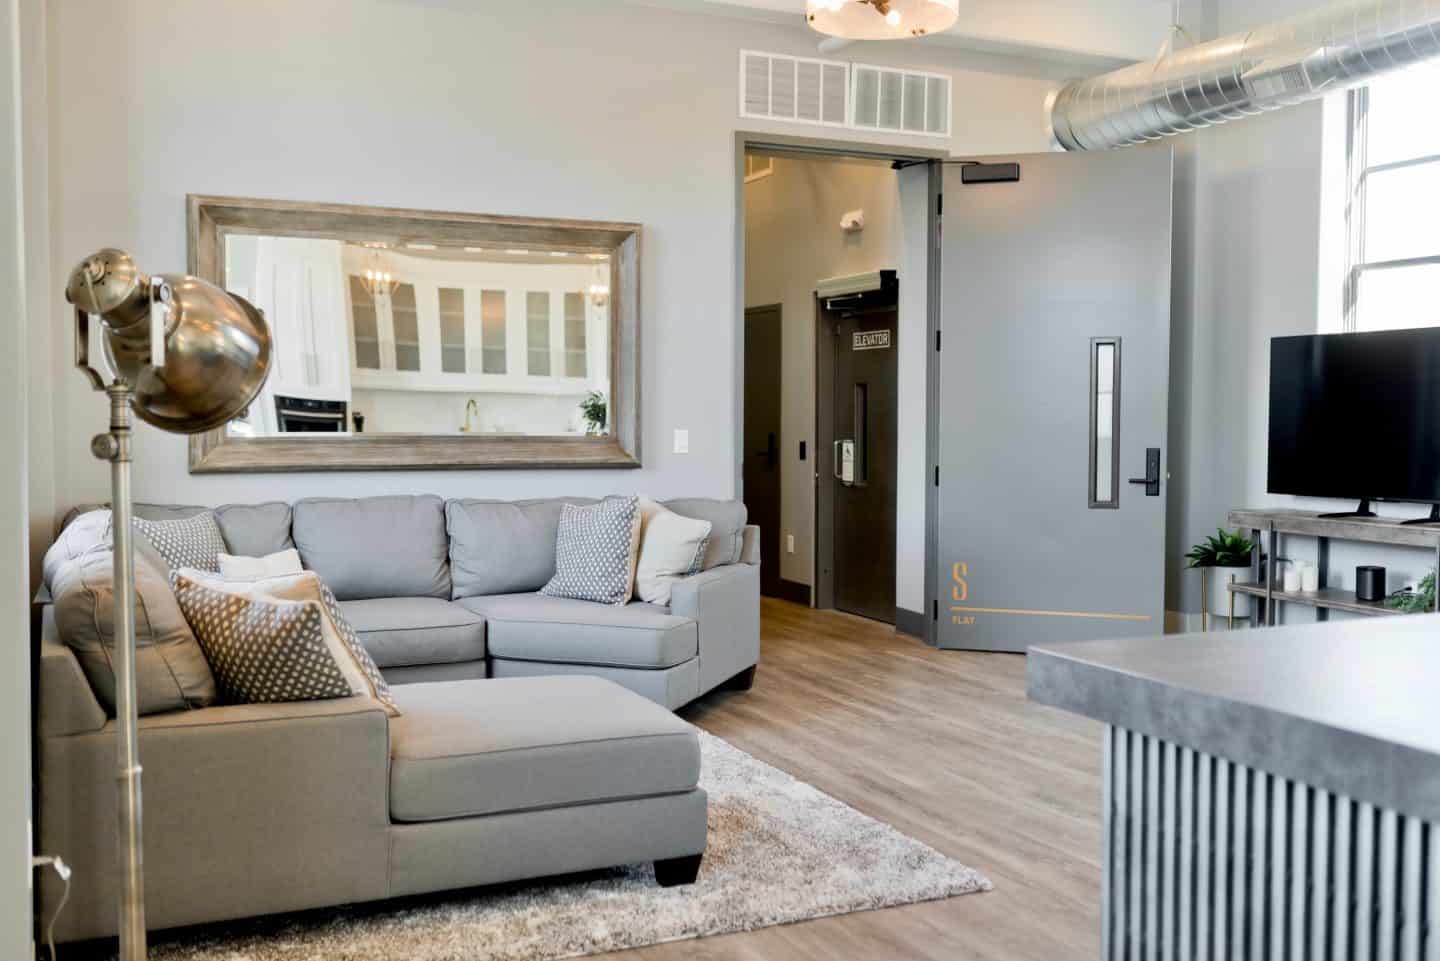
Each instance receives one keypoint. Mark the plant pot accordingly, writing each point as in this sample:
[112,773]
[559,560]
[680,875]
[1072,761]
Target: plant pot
[1217,595]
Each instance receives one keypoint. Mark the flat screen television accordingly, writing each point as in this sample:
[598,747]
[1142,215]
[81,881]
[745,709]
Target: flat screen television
[1356,416]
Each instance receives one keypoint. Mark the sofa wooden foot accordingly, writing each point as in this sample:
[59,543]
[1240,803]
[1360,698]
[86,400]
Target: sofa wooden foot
[742,681]
[676,871]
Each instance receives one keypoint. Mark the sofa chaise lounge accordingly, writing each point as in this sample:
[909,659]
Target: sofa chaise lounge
[534,737]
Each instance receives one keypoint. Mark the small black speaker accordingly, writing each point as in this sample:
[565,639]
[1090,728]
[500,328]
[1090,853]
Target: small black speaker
[1370,583]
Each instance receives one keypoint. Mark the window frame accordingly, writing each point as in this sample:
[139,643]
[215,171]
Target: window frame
[1359,170]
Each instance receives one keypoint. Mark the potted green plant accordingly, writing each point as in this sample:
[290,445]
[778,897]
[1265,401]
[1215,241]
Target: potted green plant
[1230,555]
[592,408]
[1418,601]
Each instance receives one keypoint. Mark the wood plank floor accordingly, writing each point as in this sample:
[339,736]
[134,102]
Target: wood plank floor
[944,747]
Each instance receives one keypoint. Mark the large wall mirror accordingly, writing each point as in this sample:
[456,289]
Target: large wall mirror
[410,339]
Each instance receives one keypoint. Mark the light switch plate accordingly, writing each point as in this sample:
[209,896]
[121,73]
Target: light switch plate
[682,441]
[789,543]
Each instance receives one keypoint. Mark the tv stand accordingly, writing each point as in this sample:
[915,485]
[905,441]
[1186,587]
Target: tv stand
[1434,518]
[1362,511]
[1268,528]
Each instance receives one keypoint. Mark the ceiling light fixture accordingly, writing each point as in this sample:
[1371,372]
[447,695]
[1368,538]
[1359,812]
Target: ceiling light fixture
[881,19]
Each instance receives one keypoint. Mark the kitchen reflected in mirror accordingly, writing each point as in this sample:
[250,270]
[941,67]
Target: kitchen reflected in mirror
[416,339]
[425,339]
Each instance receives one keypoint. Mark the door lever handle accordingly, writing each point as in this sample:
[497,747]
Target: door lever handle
[1151,480]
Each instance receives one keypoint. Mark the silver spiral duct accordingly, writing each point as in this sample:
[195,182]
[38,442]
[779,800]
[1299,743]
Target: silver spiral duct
[1344,45]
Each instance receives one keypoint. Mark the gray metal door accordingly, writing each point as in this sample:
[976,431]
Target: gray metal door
[1053,389]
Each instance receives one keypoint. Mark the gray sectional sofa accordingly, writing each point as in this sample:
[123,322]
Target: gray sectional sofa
[446,590]
[519,752]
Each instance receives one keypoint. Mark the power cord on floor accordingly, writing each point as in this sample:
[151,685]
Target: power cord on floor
[63,871]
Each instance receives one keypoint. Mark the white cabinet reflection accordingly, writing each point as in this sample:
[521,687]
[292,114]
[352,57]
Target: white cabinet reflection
[422,339]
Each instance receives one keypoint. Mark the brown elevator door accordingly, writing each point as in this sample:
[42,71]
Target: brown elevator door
[863,473]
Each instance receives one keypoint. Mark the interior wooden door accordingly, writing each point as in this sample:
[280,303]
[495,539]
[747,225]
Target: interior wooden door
[761,469]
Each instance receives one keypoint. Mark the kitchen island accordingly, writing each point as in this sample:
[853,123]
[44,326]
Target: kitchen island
[1268,794]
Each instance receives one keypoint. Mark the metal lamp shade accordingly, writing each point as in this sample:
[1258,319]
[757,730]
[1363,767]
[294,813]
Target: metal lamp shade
[217,346]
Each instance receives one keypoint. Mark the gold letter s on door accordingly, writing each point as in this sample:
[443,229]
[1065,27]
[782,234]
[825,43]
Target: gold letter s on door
[962,589]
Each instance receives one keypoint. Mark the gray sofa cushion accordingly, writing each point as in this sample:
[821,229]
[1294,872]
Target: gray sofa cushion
[532,627]
[503,547]
[255,530]
[375,546]
[412,631]
[472,748]
[727,527]
[171,672]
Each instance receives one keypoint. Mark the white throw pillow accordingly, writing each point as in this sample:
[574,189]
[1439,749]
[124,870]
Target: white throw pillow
[671,547]
[233,567]
[340,639]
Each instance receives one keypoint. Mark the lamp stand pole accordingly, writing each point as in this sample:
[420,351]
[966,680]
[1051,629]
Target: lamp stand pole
[115,448]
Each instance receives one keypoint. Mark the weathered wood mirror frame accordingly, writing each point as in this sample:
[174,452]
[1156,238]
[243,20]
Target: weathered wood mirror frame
[211,219]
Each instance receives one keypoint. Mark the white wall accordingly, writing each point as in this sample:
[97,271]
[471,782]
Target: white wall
[15,900]
[555,108]
[1263,260]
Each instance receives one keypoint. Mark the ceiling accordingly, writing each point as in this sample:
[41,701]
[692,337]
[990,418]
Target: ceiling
[1102,32]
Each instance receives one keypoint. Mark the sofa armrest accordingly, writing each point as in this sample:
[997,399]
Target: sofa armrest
[67,704]
[249,810]
[750,545]
[724,602]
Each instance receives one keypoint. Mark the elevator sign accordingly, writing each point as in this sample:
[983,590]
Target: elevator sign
[870,340]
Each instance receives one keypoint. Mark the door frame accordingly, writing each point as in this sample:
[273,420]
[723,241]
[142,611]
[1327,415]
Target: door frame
[822,592]
[823,545]
[846,149]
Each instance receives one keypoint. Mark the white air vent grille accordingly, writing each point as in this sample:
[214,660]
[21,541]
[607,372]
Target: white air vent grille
[900,100]
[776,87]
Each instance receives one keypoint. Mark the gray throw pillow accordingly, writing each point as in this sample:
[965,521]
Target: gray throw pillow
[191,542]
[262,651]
[595,550]
[171,672]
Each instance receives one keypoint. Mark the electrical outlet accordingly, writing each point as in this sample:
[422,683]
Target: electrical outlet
[789,543]
[682,441]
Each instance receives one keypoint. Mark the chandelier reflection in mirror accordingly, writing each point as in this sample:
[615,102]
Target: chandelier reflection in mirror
[377,281]
[881,19]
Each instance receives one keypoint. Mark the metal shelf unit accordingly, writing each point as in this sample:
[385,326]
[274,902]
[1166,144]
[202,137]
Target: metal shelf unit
[1268,526]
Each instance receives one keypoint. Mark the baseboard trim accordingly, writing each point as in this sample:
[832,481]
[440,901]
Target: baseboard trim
[794,592]
[910,622]
[1183,622]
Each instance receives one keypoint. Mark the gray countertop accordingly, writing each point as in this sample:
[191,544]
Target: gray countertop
[1352,707]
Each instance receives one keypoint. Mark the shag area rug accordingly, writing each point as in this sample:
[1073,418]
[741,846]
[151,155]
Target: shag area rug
[779,851]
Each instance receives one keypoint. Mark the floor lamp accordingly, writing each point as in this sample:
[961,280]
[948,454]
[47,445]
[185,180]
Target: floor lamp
[185,357]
